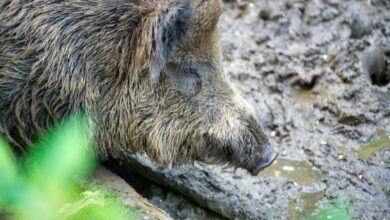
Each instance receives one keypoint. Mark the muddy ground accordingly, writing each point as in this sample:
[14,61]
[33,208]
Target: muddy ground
[317,73]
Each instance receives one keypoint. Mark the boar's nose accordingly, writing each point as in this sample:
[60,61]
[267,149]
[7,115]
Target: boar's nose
[269,156]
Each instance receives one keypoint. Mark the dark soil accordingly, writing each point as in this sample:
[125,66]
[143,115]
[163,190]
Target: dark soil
[317,72]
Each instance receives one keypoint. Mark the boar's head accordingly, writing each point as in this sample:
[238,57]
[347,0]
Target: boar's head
[188,110]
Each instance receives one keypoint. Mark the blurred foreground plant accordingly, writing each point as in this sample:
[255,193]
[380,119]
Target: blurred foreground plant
[42,185]
[336,210]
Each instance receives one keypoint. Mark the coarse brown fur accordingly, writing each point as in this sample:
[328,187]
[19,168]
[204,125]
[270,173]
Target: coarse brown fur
[147,72]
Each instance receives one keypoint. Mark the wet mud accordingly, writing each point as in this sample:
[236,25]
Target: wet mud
[317,73]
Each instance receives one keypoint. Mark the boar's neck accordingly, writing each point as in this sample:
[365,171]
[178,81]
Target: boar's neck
[66,56]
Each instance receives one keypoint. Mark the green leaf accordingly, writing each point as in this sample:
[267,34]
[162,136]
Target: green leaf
[8,174]
[46,189]
[66,152]
[8,165]
[337,210]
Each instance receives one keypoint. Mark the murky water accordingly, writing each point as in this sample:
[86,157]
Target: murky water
[314,206]
[304,96]
[368,150]
[307,96]
[300,172]
[305,205]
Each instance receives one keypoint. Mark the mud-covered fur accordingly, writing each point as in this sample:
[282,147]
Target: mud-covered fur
[147,72]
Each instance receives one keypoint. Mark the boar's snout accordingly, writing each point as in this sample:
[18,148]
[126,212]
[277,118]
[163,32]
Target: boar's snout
[268,157]
[239,140]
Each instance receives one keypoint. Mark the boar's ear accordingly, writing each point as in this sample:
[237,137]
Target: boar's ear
[207,15]
[163,23]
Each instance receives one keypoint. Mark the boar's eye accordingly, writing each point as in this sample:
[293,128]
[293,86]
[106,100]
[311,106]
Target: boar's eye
[187,80]
[191,73]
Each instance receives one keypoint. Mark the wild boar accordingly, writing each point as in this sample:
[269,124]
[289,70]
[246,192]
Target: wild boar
[147,73]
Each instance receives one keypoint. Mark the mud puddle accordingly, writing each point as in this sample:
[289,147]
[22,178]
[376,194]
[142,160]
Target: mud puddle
[300,172]
[306,204]
[307,96]
[314,206]
[368,150]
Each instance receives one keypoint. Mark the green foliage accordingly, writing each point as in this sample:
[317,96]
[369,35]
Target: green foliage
[336,210]
[42,185]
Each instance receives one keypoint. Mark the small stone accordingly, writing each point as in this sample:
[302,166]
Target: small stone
[360,177]
[323,143]
[291,32]
[340,157]
[274,133]
[237,33]
[325,57]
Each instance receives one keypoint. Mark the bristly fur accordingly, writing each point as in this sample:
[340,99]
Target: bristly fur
[55,55]
[147,72]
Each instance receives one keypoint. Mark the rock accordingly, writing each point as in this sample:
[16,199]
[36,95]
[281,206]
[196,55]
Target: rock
[129,198]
